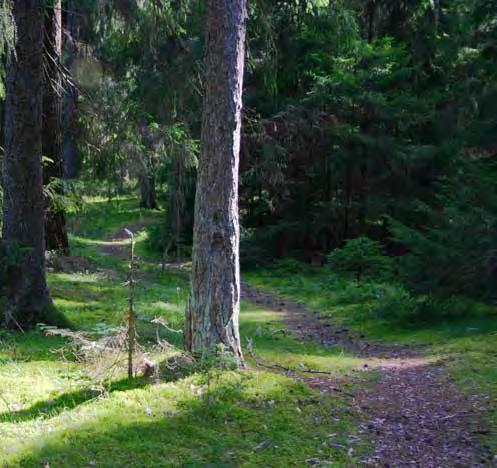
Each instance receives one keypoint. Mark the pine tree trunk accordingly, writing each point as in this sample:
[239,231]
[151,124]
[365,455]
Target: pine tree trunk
[212,315]
[148,193]
[71,156]
[23,209]
[55,220]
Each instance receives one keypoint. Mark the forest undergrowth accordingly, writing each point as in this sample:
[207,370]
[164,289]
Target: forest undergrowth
[54,412]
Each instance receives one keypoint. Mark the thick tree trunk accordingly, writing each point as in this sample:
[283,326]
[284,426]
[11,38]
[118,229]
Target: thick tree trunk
[212,315]
[55,219]
[23,209]
[71,156]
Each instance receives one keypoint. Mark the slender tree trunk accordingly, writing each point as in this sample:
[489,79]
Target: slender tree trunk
[436,16]
[371,8]
[23,209]
[71,159]
[212,315]
[55,219]
[148,192]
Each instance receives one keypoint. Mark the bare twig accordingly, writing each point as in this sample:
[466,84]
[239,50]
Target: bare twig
[131,312]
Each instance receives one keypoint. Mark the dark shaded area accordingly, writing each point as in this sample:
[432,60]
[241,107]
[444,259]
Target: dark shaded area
[26,294]
[55,218]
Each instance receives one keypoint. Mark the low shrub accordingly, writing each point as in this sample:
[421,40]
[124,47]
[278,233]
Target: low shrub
[361,257]
[394,303]
[160,240]
[156,238]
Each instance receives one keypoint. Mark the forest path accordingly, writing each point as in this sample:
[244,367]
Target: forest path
[115,246]
[414,415]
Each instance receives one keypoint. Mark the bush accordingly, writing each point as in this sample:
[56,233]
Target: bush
[432,308]
[252,252]
[156,238]
[451,246]
[361,257]
[291,266]
[395,303]
[160,239]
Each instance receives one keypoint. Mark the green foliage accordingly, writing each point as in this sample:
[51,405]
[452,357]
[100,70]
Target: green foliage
[135,113]
[179,173]
[451,250]
[369,108]
[62,196]
[264,245]
[353,111]
[394,304]
[362,257]
[381,309]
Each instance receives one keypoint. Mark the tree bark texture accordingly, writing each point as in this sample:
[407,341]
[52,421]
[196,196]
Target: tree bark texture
[23,209]
[55,219]
[212,315]
[71,156]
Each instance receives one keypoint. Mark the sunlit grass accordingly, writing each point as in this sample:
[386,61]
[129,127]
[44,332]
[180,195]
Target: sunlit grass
[467,344]
[254,419]
[52,414]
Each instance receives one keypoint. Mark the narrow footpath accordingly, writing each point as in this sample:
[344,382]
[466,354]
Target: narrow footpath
[415,415]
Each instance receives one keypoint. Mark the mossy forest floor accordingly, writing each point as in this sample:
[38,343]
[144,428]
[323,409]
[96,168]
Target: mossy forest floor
[53,413]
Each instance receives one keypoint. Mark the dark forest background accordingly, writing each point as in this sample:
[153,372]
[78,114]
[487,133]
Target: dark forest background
[373,120]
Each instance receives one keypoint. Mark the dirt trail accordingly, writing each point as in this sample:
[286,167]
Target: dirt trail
[114,247]
[415,415]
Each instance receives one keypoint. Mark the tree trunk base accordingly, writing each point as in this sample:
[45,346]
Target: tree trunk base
[31,316]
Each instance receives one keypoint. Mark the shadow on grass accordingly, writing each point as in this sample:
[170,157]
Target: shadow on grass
[225,426]
[68,401]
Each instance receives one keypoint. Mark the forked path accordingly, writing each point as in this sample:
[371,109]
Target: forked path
[415,415]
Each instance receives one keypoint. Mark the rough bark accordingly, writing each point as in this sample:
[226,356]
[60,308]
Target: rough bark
[71,155]
[23,209]
[55,219]
[212,315]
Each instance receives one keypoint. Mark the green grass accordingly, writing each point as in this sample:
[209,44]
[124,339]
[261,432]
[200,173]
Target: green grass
[252,419]
[101,219]
[467,343]
[52,413]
